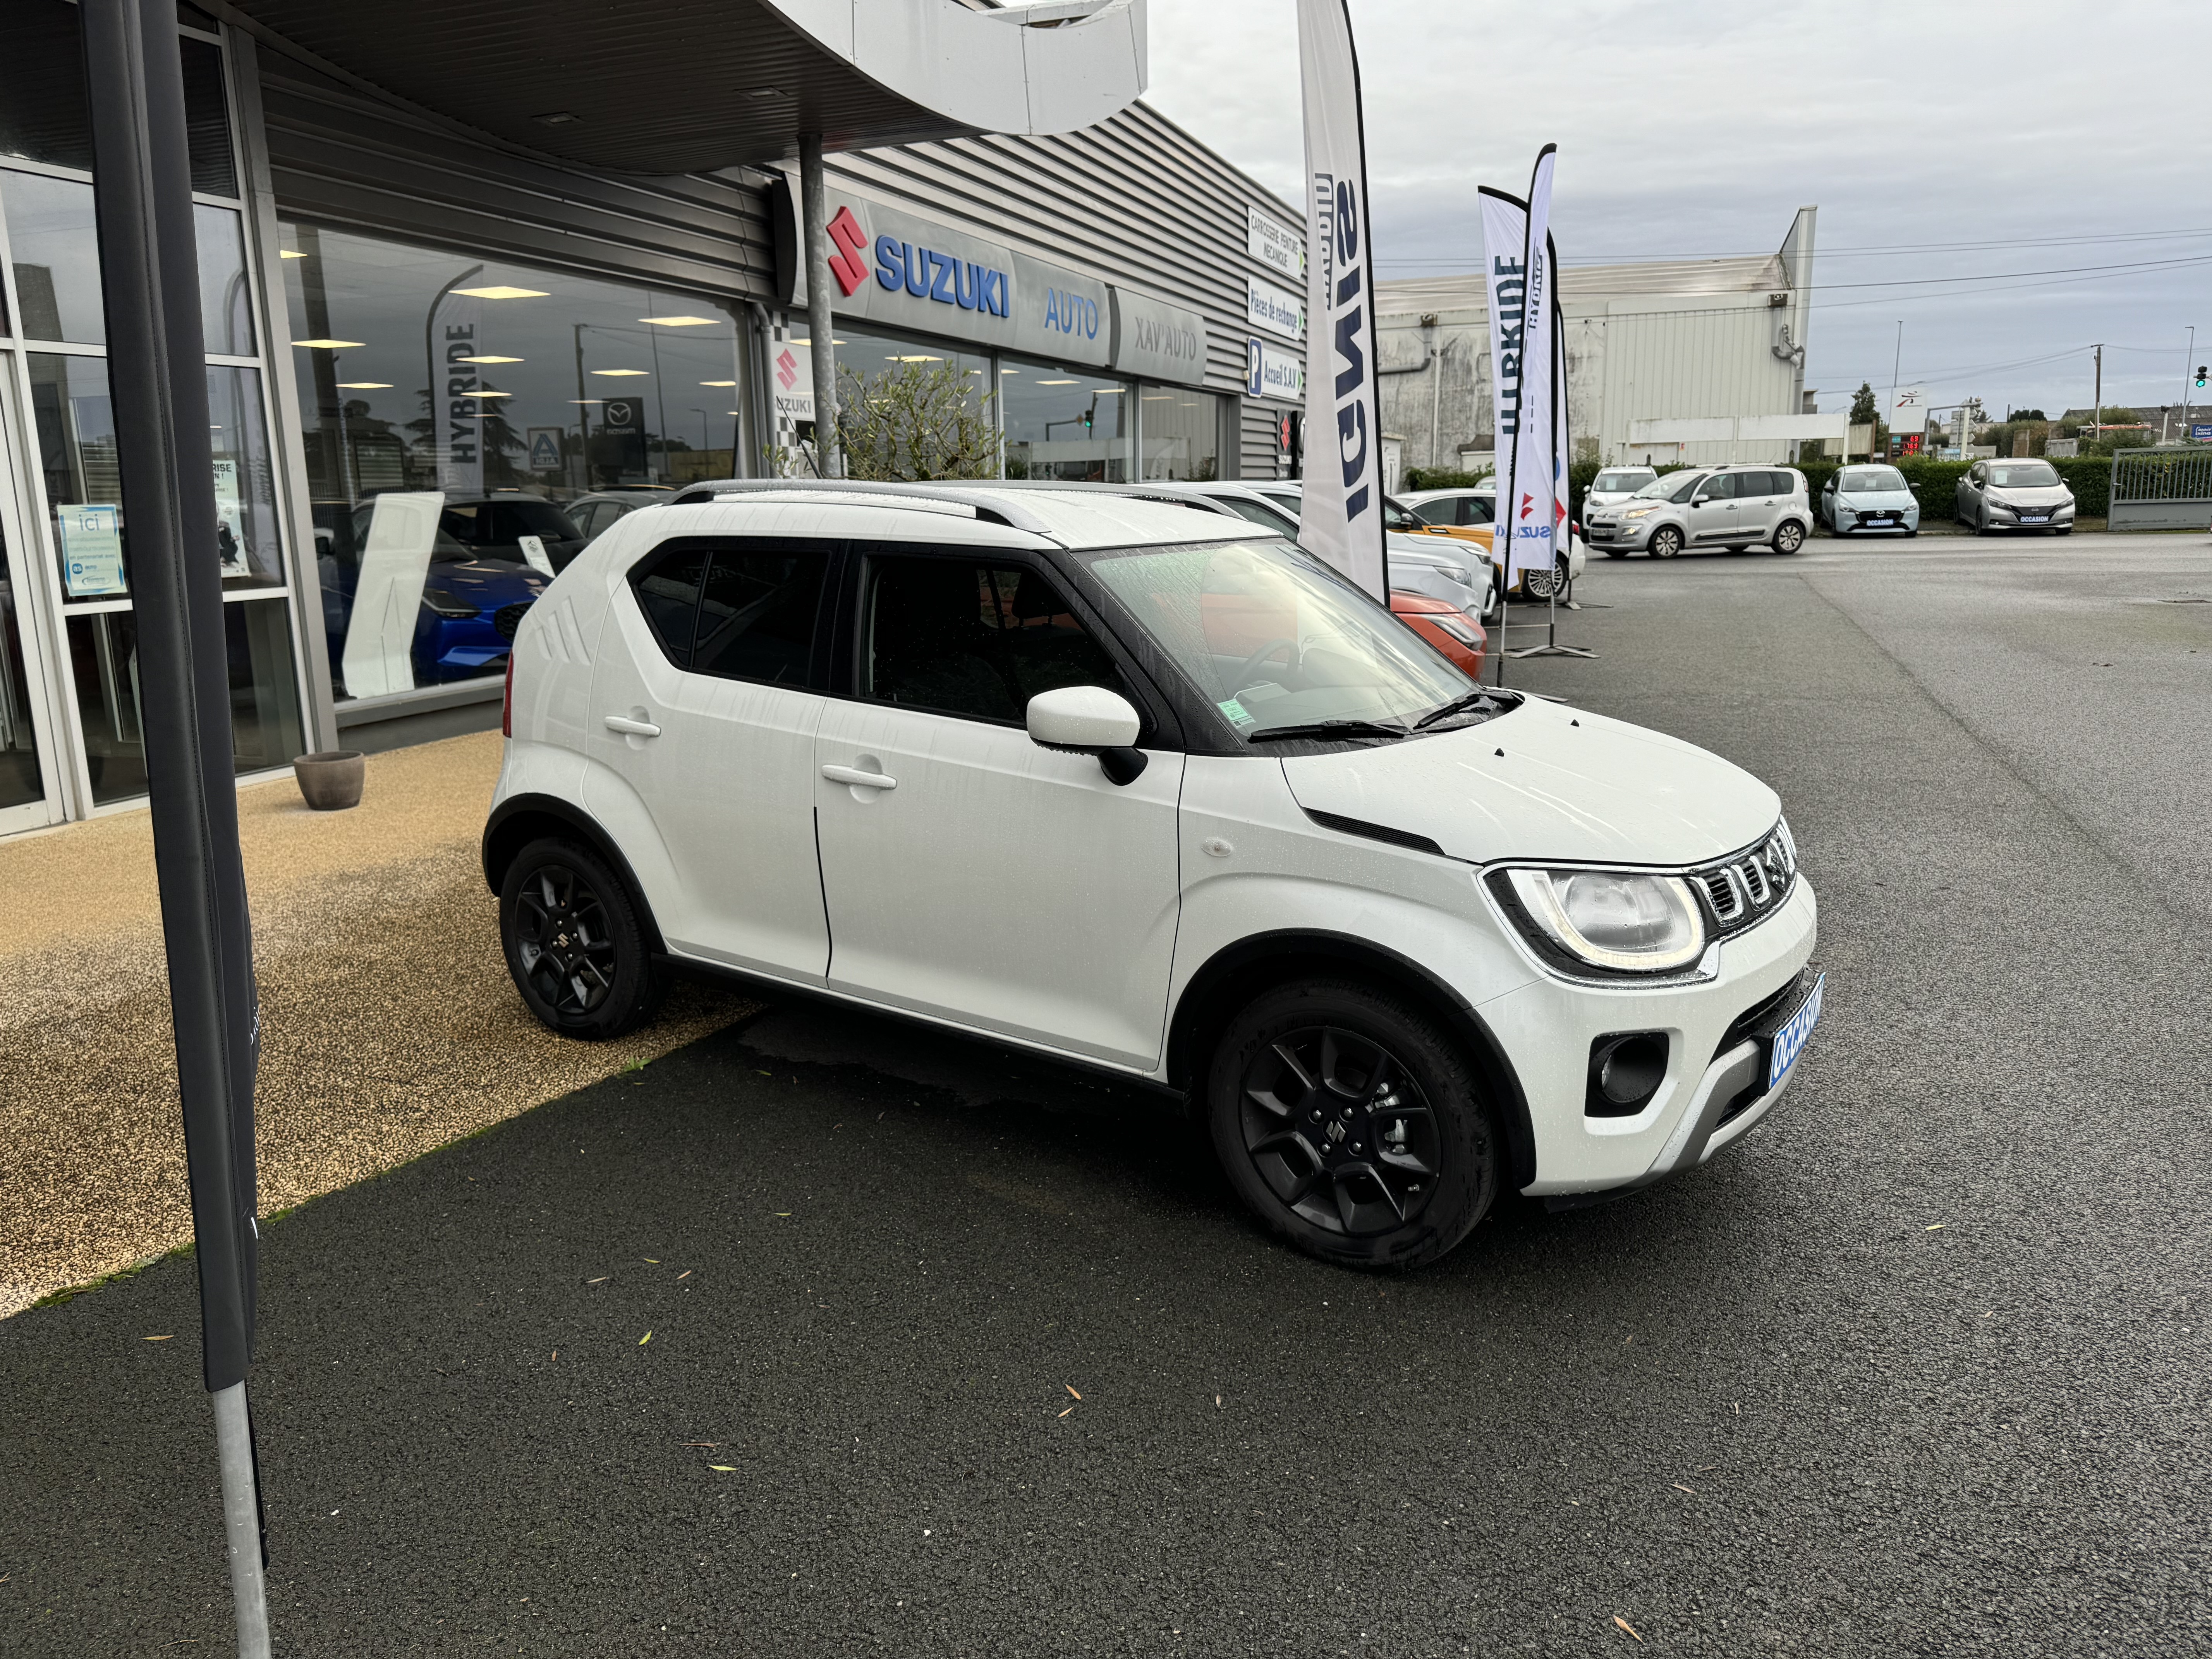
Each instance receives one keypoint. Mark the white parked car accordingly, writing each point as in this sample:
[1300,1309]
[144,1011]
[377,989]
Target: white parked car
[1154,792]
[1870,501]
[1471,513]
[1616,484]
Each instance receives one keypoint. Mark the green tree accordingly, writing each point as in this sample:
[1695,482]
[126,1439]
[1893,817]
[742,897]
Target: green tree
[2026,415]
[1863,411]
[915,421]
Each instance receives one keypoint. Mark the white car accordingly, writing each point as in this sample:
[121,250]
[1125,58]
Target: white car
[1405,541]
[1615,485]
[1471,513]
[1439,573]
[1157,794]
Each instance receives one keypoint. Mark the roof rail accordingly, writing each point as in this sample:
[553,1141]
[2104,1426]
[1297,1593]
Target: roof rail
[1150,490]
[982,504]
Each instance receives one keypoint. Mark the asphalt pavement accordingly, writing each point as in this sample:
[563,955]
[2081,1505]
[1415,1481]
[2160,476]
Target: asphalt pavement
[823,1336]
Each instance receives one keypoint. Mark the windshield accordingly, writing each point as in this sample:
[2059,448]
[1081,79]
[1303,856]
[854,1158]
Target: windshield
[1273,639]
[1617,482]
[2032,475]
[1675,487]
[1870,481]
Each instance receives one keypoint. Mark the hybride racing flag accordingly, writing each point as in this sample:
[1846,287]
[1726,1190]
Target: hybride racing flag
[1340,518]
[1521,275]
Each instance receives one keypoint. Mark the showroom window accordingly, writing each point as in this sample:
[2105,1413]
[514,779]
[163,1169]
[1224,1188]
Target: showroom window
[1182,432]
[65,445]
[1071,423]
[421,368]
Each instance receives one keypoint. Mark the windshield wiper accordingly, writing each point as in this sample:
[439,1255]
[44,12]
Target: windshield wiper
[1456,705]
[1330,729]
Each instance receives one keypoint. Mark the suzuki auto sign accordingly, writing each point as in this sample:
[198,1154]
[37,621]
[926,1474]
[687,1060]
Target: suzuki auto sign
[912,274]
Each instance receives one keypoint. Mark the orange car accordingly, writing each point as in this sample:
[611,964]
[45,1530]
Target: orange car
[1458,634]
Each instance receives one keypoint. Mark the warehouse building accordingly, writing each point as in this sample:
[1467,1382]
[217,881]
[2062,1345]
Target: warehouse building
[1648,347]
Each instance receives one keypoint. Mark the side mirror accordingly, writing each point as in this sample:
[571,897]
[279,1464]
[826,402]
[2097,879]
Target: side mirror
[1089,719]
[1699,500]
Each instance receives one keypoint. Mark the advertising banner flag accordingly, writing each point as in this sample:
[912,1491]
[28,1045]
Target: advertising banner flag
[1532,511]
[1340,518]
[454,382]
[1505,278]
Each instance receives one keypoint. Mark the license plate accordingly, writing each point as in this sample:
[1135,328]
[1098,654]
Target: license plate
[1882,518]
[1790,1041]
[2035,518]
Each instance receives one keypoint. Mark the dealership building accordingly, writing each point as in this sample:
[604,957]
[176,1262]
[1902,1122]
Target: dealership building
[1667,361]
[395,299]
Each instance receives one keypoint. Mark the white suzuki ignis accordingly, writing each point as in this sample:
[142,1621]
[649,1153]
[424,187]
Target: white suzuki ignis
[1148,789]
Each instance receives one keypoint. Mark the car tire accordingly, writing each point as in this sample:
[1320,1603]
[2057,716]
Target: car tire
[575,944]
[1666,542]
[1308,1058]
[1790,538]
[1616,552]
[2064,530]
[1541,585]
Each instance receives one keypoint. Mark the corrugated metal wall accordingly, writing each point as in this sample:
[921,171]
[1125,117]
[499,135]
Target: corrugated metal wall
[1134,201]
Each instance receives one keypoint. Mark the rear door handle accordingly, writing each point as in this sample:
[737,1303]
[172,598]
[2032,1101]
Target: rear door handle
[858,778]
[635,728]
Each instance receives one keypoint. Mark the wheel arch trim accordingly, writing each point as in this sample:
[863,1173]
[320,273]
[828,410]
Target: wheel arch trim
[504,837]
[1204,1003]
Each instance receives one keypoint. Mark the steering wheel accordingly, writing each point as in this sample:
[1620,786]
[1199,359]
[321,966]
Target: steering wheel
[1237,681]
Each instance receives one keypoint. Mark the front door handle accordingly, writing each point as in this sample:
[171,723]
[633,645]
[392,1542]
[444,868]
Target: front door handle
[625,724]
[858,778]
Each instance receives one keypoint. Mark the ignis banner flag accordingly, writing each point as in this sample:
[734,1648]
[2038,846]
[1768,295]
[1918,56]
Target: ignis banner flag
[1341,517]
[1522,271]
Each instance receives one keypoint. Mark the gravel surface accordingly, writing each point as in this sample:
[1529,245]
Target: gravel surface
[389,1025]
[1918,1368]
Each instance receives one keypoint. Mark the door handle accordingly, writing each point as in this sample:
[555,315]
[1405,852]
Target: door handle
[858,778]
[625,724]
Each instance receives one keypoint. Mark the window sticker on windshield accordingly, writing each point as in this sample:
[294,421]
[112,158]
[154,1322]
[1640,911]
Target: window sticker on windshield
[1237,712]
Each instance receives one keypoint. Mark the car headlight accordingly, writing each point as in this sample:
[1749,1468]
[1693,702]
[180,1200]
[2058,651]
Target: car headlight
[446,605]
[1638,512]
[1458,627]
[1624,922]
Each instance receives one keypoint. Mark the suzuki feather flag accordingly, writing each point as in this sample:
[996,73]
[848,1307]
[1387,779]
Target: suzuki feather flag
[1340,518]
[1522,274]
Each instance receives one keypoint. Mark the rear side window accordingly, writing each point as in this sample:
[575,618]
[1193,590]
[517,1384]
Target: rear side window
[736,608]
[978,641]
[1474,509]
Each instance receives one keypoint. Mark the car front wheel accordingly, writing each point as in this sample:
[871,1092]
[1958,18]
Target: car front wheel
[1545,584]
[1351,1125]
[575,944]
[1790,538]
[1666,542]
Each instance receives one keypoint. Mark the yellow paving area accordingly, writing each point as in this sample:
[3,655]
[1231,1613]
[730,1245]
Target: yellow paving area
[389,1025]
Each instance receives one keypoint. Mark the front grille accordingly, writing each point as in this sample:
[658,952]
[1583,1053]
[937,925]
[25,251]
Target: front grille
[508,618]
[1744,889]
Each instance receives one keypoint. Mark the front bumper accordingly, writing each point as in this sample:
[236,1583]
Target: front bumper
[1851,522]
[1547,1027]
[1628,533]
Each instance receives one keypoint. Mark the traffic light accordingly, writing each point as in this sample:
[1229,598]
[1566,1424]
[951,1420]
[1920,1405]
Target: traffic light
[2200,377]
[1087,415]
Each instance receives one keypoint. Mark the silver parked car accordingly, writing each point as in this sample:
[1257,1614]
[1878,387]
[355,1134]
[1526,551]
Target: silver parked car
[1615,485]
[1997,495]
[1725,507]
[1870,501]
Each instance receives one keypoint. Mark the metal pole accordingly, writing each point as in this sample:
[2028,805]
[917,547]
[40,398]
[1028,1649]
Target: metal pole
[2097,398]
[813,211]
[1894,360]
[2188,352]
[158,383]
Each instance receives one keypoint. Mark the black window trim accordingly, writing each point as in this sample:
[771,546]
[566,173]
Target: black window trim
[818,654]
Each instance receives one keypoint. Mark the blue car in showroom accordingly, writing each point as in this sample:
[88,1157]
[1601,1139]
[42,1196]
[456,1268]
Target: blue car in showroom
[472,599]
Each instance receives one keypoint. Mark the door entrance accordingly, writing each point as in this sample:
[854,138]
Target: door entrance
[28,772]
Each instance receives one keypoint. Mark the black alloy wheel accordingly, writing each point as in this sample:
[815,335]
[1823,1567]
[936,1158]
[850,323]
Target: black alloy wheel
[1352,1126]
[574,944]
[1666,542]
[1790,538]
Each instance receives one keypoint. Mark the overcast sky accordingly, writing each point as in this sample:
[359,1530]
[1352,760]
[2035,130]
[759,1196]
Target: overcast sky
[1964,140]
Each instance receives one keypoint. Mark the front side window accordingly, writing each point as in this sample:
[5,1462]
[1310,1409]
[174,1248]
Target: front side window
[956,637]
[1721,487]
[1275,640]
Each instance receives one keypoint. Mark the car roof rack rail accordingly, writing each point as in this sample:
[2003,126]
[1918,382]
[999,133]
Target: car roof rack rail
[978,502]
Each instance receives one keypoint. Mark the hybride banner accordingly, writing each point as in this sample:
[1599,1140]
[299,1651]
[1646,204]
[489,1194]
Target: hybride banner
[1340,518]
[1528,407]
[453,378]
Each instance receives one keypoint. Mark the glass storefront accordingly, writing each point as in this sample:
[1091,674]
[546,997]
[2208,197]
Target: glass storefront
[54,361]
[1070,424]
[515,391]
[1182,432]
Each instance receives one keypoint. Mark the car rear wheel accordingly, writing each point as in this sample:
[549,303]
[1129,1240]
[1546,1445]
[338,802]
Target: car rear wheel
[575,944]
[1790,538]
[1666,542]
[1351,1125]
[1544,583]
